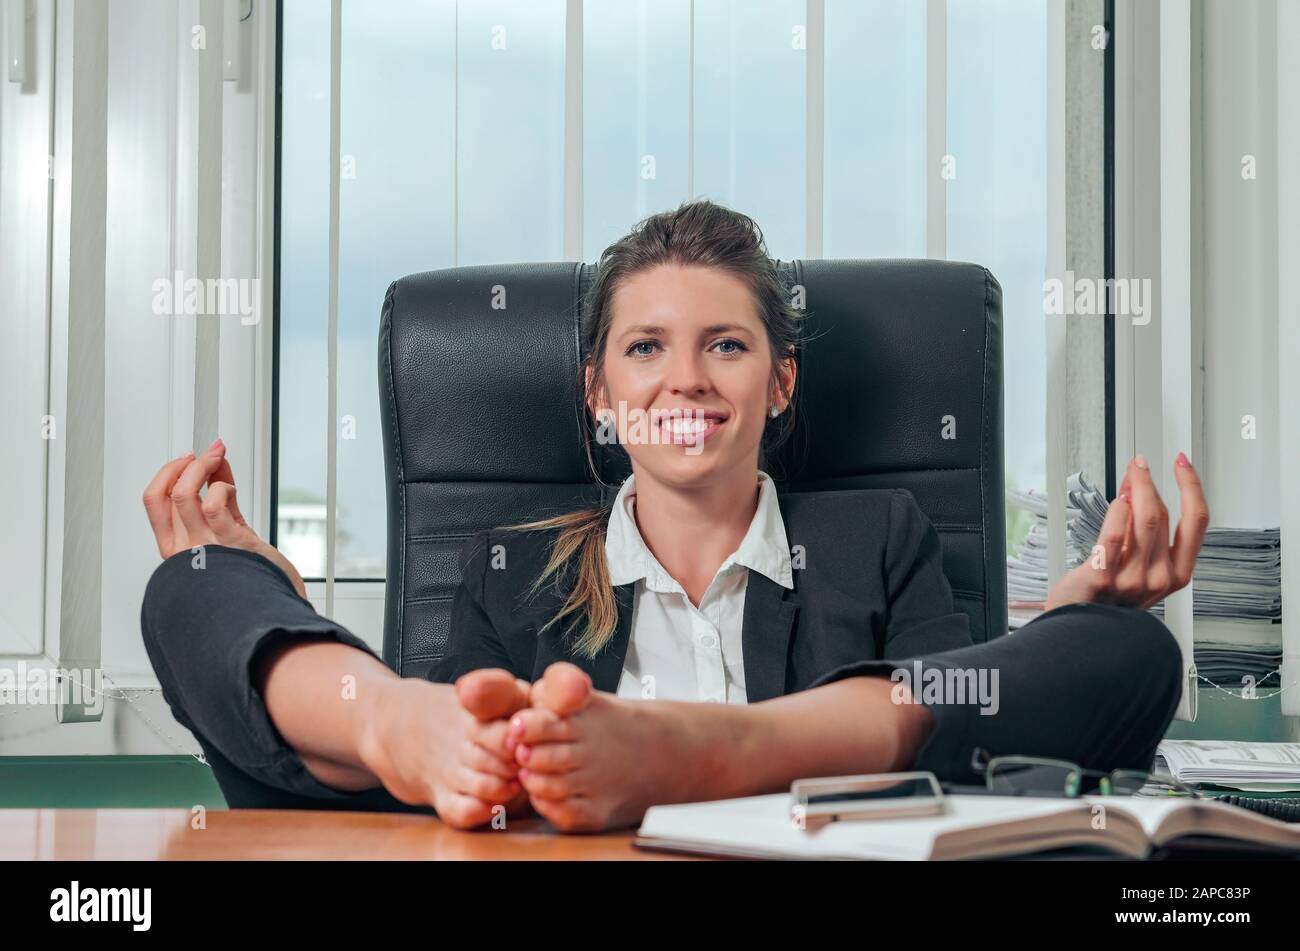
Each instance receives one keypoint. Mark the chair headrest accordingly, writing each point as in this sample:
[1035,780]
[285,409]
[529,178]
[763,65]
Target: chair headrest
[899,386]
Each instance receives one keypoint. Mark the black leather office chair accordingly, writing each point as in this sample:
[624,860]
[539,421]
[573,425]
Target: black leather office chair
[481,417]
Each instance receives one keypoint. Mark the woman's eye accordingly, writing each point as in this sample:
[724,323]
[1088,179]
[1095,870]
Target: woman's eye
[734,346]
[636,351]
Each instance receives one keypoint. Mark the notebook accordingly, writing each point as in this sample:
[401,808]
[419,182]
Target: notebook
[972,827]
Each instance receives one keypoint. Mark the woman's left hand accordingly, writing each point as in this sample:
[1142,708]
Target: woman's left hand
[1133,564]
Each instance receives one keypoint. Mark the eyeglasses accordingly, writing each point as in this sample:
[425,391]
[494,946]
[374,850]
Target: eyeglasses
[1038,776]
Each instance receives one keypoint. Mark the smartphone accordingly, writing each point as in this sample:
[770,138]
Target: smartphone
[879,796]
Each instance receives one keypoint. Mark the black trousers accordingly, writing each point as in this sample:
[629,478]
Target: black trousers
[1093,684]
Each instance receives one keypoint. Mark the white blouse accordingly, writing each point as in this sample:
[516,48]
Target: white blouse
[678,651]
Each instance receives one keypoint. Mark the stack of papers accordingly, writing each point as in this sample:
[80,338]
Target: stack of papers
[1259,767]
[1027,566]
[1238,574]
[1230,664]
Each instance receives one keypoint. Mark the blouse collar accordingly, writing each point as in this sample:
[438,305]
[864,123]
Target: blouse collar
[763,549]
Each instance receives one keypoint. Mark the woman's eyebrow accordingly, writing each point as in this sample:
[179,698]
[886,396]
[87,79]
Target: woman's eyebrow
[657,331]
[726,328]
[650,329]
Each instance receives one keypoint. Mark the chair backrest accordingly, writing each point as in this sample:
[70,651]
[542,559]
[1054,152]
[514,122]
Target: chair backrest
[900,386]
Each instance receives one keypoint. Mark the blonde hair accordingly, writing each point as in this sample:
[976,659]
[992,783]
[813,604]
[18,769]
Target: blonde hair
[699,233]
[581,546]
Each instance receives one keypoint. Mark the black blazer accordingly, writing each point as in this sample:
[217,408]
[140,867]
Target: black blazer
[871,587]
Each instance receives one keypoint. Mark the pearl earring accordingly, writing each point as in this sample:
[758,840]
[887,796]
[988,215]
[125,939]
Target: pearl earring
[774,412]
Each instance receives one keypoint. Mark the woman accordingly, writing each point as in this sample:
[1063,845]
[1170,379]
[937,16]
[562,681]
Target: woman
[584,650]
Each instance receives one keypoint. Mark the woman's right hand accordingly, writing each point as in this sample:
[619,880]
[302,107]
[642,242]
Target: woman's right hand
[182,519]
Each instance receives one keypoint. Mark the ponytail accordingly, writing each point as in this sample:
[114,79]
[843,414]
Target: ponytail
[581,545]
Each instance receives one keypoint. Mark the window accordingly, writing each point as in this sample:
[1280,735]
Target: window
[453,143]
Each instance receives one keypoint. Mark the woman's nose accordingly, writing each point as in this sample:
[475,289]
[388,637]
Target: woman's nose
[687,374]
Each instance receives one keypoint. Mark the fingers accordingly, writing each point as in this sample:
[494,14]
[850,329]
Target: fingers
[1159,569]
[218,507]
[158,505]
[1193,520]
[225,474]
[1114,533]
[185,493]
[564,689]
[1159,557]
[1152,568]
[1126,493]
[1148,513]
[491,694]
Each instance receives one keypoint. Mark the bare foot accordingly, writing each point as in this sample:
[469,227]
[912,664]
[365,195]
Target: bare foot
[591,761]
[492,694]
[429,744]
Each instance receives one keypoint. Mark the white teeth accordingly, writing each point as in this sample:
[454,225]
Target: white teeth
[686,427]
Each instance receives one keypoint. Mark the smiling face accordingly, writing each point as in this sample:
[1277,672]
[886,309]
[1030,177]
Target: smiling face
[688,374]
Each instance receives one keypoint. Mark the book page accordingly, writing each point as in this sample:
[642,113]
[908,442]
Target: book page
[1149,812]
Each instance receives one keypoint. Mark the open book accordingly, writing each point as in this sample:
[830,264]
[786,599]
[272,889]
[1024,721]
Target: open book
[972,827]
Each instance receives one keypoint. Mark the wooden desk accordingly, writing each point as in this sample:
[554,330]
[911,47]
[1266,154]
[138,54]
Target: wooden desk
[27,834]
